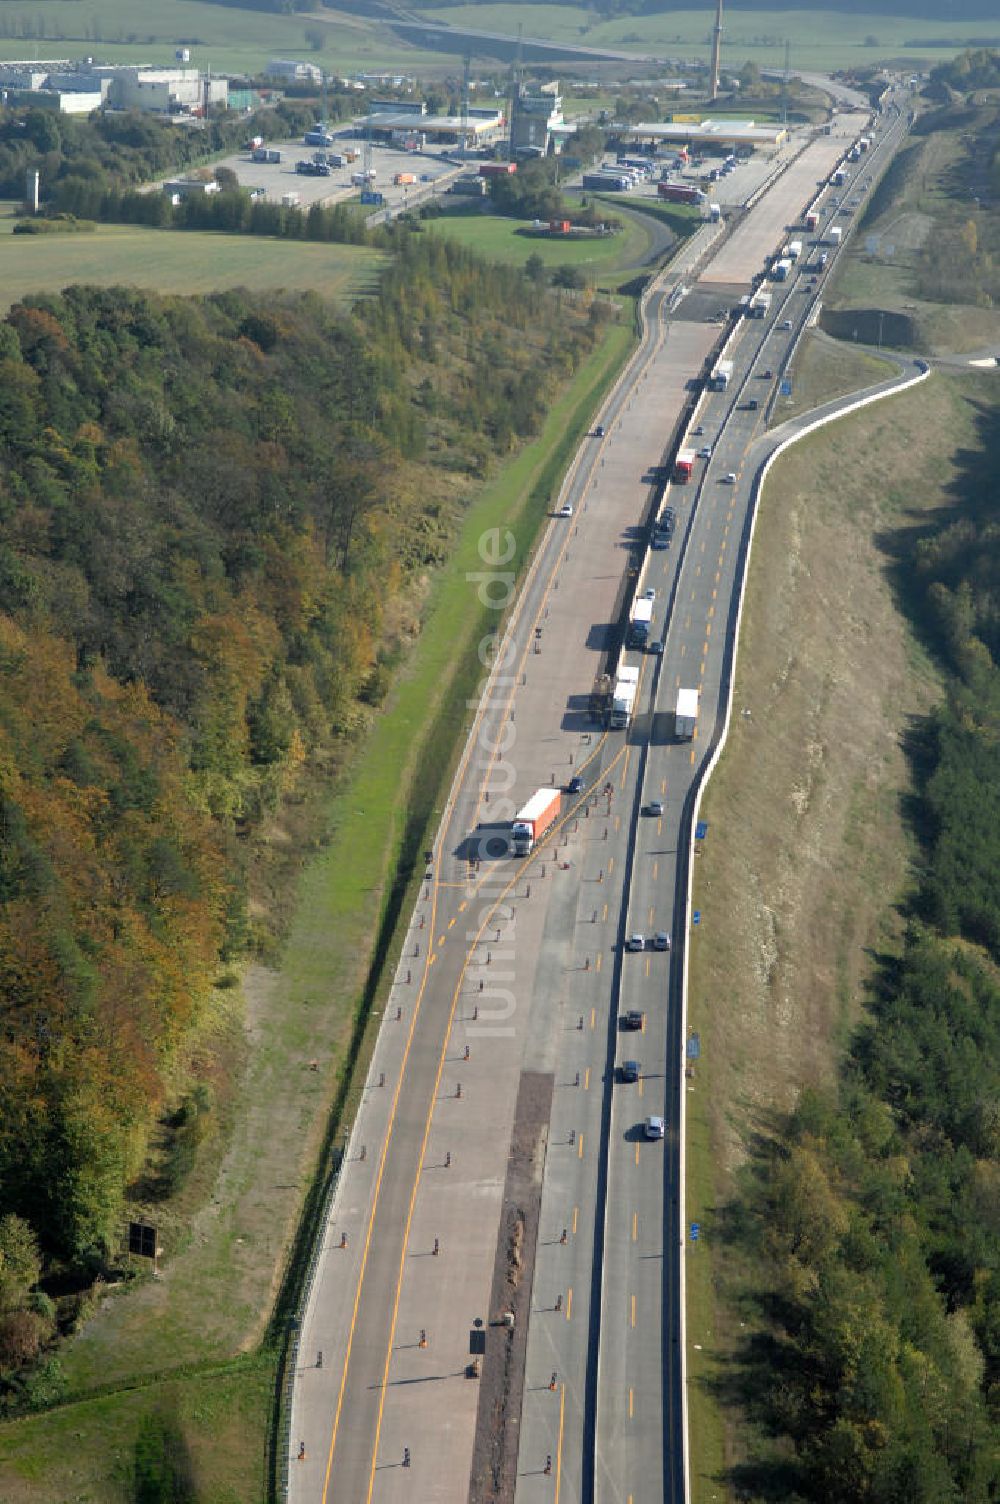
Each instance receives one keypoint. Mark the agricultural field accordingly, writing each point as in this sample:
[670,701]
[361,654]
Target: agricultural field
[220,36]
[820,39]
[242,40]
[175,261]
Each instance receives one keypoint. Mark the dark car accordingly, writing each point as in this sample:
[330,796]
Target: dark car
[633,1019]
[599,431]
[629,1071]
[752,405]
[574,786]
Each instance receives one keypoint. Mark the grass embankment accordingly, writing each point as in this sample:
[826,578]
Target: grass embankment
[216,1294]
[807,848]
[177,261]
[825,368]
[502,239]
[190,1438]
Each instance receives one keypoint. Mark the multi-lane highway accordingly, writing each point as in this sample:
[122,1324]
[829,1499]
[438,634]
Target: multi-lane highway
[639,1433]
[513,976]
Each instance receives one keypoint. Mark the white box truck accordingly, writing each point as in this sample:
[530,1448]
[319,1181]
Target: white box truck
[721,376]
[642,620]
[686,715]
[623,700]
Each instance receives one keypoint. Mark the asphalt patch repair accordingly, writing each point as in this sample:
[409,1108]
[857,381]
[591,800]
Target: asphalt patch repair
[494,1453]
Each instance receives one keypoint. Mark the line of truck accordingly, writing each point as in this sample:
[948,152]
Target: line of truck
[617,704]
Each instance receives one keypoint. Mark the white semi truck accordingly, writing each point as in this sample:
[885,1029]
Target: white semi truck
[686,715]
[623,700]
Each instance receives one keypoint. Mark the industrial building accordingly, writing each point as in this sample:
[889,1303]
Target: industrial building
[709,133]
[60,101]
[74,88]
[293,71]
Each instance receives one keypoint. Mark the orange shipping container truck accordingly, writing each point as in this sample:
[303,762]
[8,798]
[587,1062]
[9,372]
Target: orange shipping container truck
[531,822]
[404,179]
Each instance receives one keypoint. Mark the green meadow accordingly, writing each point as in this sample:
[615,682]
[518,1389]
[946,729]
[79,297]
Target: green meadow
[177,261]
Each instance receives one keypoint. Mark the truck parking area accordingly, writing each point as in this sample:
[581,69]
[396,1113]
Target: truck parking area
[276,179]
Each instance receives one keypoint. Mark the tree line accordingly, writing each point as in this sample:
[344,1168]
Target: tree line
[212,513]
[231,211]
[117,151]
[875,1208]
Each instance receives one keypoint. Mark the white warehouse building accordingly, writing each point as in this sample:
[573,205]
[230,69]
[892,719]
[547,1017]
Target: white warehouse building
[78,88]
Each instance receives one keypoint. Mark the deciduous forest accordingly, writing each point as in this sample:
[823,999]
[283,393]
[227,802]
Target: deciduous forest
[217,520]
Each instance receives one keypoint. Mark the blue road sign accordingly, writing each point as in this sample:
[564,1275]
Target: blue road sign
[694,1047]
[695,1231]
[785,388]
[696,917]
[701,830]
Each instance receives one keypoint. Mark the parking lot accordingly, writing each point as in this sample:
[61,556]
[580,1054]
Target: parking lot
[278,178]
[733,189]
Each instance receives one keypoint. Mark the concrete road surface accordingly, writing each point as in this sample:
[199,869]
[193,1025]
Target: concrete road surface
[379,1388]
[514,965]
[762,231]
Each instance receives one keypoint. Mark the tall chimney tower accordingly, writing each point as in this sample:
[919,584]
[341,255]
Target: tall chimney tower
[716,50]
